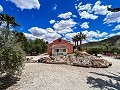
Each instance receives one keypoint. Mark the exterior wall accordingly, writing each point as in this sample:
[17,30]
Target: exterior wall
[49,49]
[69,46]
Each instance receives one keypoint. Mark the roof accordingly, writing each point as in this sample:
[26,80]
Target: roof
[61,39]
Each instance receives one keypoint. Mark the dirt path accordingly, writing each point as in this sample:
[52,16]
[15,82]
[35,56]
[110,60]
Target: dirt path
[38,76]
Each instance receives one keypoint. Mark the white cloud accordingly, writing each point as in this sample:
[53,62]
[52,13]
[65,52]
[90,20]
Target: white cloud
[65,15]
[85,25]
[47,34]
[64,26]
[37,31]
[92,36]
[64,31]
[26,4]
[89,11]
[112,17]
[117,27]
[87,15]
[50,30]
[51,36]
[30,36]
[52,21]
[100,9]
[74,16]
[1,8]
[70,35]
[85,11]
[96,34]
[86,7]
[114,34]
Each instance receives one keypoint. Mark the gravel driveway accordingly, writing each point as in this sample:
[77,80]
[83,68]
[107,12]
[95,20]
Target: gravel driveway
[38,76]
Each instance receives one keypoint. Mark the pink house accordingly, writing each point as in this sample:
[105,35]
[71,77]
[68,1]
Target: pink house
[59,47]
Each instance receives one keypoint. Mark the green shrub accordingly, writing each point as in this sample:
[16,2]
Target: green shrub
[94,51]
[77,53]
[11,58]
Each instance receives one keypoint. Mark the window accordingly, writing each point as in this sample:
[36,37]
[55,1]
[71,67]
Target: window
[62,50]
[56,50]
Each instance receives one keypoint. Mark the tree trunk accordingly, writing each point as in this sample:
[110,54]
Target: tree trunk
[77,46]
[7,26]
[75,43]
[80,45]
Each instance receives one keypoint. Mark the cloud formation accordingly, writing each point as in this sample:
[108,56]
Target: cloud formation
[90,11]
[87,15]
[81,7]
[96,34]
[117,27]
[26,4]
[112,17]
[47,34]
[65,15]
[85,25]
[52,21]
[64,26]
[100,9]
[1,8]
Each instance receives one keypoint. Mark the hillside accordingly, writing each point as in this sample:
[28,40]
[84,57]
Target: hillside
[111,40]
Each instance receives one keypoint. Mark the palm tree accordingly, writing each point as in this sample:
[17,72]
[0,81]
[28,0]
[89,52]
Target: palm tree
[81,37]
[8,20]
[19,36]
[74,40]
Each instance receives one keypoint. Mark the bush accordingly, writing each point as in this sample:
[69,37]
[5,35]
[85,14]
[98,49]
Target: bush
[94,51]
[11,59]
[77,53]
[113,49]
[11,54]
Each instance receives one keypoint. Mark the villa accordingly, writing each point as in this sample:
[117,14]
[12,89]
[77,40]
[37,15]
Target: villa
[59,47]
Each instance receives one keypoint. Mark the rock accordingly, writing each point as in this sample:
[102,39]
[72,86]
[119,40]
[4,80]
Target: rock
[100,63]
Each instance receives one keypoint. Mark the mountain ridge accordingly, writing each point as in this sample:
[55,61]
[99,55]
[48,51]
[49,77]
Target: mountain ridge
[110,41]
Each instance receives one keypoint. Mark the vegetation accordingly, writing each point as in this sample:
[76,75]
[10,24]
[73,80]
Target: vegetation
[14,45]
[110,45]
[94,50]
[8,20]
[77,53]
[34,47]
[111,41]
[106,47]
[11,54]
[113,9]
[78,38]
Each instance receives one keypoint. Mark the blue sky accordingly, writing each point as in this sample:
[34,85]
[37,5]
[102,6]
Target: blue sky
[51,19]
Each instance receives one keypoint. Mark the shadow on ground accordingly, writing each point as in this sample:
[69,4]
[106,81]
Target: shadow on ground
[6,82]
[112,83]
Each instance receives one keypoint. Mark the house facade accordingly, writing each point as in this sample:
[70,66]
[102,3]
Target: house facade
[59,47]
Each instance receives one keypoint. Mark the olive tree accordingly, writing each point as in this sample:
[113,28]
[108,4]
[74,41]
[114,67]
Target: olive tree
[11,54]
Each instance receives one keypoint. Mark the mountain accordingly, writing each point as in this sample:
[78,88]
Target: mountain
[111,41]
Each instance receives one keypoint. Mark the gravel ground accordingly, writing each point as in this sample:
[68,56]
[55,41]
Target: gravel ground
[38,76]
